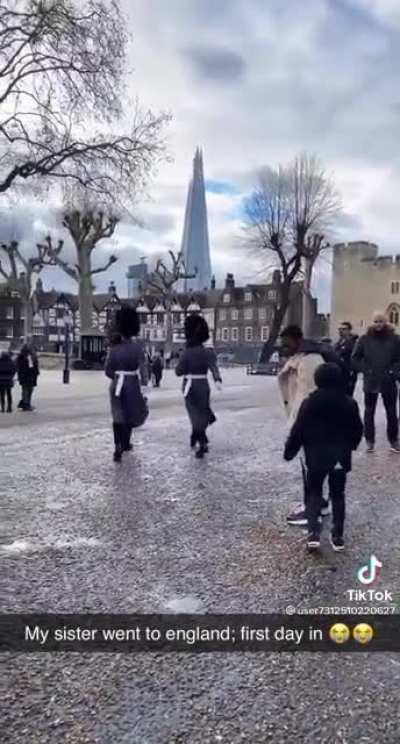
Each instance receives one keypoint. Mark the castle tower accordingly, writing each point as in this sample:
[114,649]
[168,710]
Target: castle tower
[195,244]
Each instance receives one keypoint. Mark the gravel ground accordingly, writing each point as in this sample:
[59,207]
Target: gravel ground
[165,533]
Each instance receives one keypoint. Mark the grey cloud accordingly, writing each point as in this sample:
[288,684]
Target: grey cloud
[216,64]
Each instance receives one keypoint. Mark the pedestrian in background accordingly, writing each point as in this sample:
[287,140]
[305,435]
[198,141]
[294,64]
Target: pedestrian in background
[7,372]
[157,370]
[377,356]
[195,363]
[344,348]
[328,427]
[28,373]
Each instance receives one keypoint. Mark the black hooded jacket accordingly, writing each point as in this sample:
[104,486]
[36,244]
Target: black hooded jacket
[377,356]
[328,426]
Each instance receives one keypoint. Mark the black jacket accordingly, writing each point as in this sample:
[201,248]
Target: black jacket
[328,426]
[377,356]
[7,371]
[27,373]
[344,349]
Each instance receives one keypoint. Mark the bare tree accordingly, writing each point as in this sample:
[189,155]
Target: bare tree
[19,274]
[163,280]
[62,75]
[87,230]
[284,218]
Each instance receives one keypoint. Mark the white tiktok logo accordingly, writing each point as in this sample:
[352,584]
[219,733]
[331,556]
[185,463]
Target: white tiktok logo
[368,573]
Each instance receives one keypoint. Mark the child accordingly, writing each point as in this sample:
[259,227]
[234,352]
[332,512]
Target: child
[328,427]
[7,372]
[193,366]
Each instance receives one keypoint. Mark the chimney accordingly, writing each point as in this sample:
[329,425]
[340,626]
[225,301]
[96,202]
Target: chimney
[276,277]
[230,281]
[112,289]
[213,282]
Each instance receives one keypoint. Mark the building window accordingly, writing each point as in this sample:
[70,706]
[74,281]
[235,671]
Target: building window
[248,296]
[262,313]
[9,332]
[10,313]
[394,314]
[235,314]
[227,298]
[395,288]
[272,294]
[235,334]
[248,313]
[218,335]
[265,333]
[222,314]
[225,334]
[248,333]
[361,324]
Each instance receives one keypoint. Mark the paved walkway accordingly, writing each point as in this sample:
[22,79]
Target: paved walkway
[166,533]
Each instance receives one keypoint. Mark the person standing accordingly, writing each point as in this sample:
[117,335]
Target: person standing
[344,348]
[28,373]
[296,382]
[126,368]
[194,364]
[157,370]
[329,428]
[377,356]
[7,372]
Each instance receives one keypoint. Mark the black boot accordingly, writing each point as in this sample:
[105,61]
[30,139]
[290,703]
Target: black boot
[193,440]
[128,447]
[118,430]
[202,440]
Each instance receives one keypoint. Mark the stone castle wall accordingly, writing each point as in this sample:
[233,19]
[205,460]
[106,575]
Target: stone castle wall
[362,282]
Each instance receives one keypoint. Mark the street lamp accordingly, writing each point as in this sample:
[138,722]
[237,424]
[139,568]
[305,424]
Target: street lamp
[66,355]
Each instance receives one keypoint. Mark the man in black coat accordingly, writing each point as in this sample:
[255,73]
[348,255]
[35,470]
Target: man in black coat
[328,427]
[344,348]
[28,372]
[7,372]
[377,356]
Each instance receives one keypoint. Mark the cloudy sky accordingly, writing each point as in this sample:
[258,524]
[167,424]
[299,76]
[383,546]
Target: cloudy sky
[255,82]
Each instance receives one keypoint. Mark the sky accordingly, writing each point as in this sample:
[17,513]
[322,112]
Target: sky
[255,83]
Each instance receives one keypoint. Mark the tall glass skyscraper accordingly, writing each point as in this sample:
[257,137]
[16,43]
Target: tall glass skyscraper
[195,243]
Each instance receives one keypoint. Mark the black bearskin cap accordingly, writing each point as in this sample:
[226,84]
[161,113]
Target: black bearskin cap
[127,322]
[328,376]
[196,329]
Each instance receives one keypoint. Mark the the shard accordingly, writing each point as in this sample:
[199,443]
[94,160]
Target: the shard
[195,244]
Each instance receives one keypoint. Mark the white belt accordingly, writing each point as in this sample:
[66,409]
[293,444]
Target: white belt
[189,379]
[121,374]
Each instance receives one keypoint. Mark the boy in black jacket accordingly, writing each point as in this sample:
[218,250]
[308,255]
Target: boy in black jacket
[328,427]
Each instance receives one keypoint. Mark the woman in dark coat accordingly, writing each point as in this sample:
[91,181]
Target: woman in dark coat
[127,369]
[157,370]
[7,372]
[193,366]
[28,372]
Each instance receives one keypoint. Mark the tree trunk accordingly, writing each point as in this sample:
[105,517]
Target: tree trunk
[169,329]
[307,298]
[277,320]
[85,290]
[28,320]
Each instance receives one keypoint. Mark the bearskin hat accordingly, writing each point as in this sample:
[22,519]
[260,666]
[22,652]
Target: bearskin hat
[196,329]
[127,322]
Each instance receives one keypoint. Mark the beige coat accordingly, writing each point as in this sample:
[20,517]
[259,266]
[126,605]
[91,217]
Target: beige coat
[296,381]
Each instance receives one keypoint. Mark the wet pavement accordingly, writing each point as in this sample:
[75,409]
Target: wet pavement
[163,532]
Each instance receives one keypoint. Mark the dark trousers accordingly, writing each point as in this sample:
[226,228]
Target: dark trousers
[304,476]
[337,485]
[389,397]
[122,437]
[351,386]
[6,393]
[27,391]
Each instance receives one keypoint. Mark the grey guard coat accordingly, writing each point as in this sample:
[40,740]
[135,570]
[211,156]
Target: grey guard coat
[129,409]
[198,360]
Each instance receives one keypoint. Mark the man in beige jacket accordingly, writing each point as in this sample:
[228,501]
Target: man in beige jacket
[296,382]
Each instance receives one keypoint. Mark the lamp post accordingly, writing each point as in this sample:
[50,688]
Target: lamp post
[66,355]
